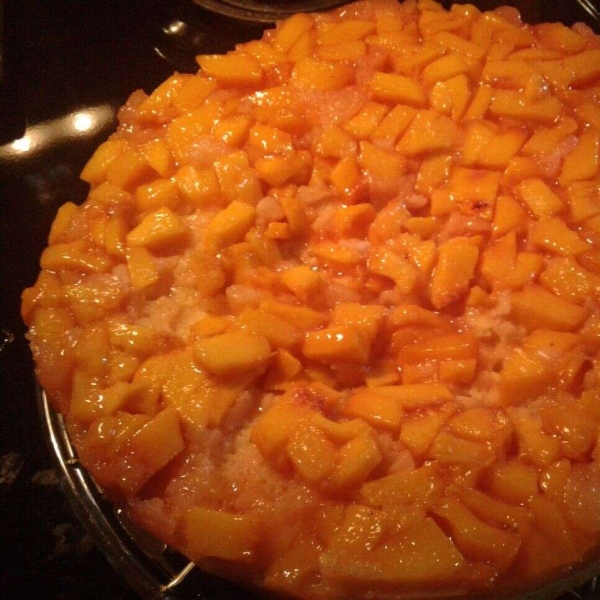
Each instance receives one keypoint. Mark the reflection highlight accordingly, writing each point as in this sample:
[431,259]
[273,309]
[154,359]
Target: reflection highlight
[40,137]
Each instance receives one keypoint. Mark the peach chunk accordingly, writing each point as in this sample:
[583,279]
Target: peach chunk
[65,215]
[474,185]
[540,448]
[575,428]
[534,308]
[513,482]
[560,37]
[279,333]
[404,560]
[423,486]
[312,454]
[377,409]
[159,230]
[509,215]
[487,149]
[476,424]
[449,449]
[233,353]
[199,400]
[524,375]
[295,566]
[539,198]
[303,281]
[291,30]
[444,68]
[390,87]
[340,342]
[416,395]
[158,194]
[352,50]
[230,225]
[419,431]
[394,124]
[582,163]
[273,429]
[142,269]
[232,69]
[144,453]
[237,181]
[96,169]
[490,509]
[428,132]
[454,270]
[455,346]
[475,538]
[357,459]
[551,521]
[583,67]
[388,264]
[514,104]
[218,534]
[74,255]
[583,199]
[480,103]
[564,277]
[368,317]
[52,324]
[88,404]
[504,268]
[366,121]
[322,75]
[545,139]
[539,557]
[301,316]
[553,235]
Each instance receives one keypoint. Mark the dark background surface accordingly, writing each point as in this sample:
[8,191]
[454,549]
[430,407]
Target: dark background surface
[61,60]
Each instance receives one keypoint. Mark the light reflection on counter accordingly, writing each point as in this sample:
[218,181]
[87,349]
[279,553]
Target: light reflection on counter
[40,137]
[175,27]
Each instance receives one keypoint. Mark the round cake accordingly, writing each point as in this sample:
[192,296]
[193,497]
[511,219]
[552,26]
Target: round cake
[328,322]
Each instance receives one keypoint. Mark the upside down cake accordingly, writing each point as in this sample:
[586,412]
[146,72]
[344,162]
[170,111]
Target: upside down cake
[328,321]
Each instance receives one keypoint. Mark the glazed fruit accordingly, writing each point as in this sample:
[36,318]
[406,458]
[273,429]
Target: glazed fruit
[328,320]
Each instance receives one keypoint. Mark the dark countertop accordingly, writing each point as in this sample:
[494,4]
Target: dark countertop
[66,67]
